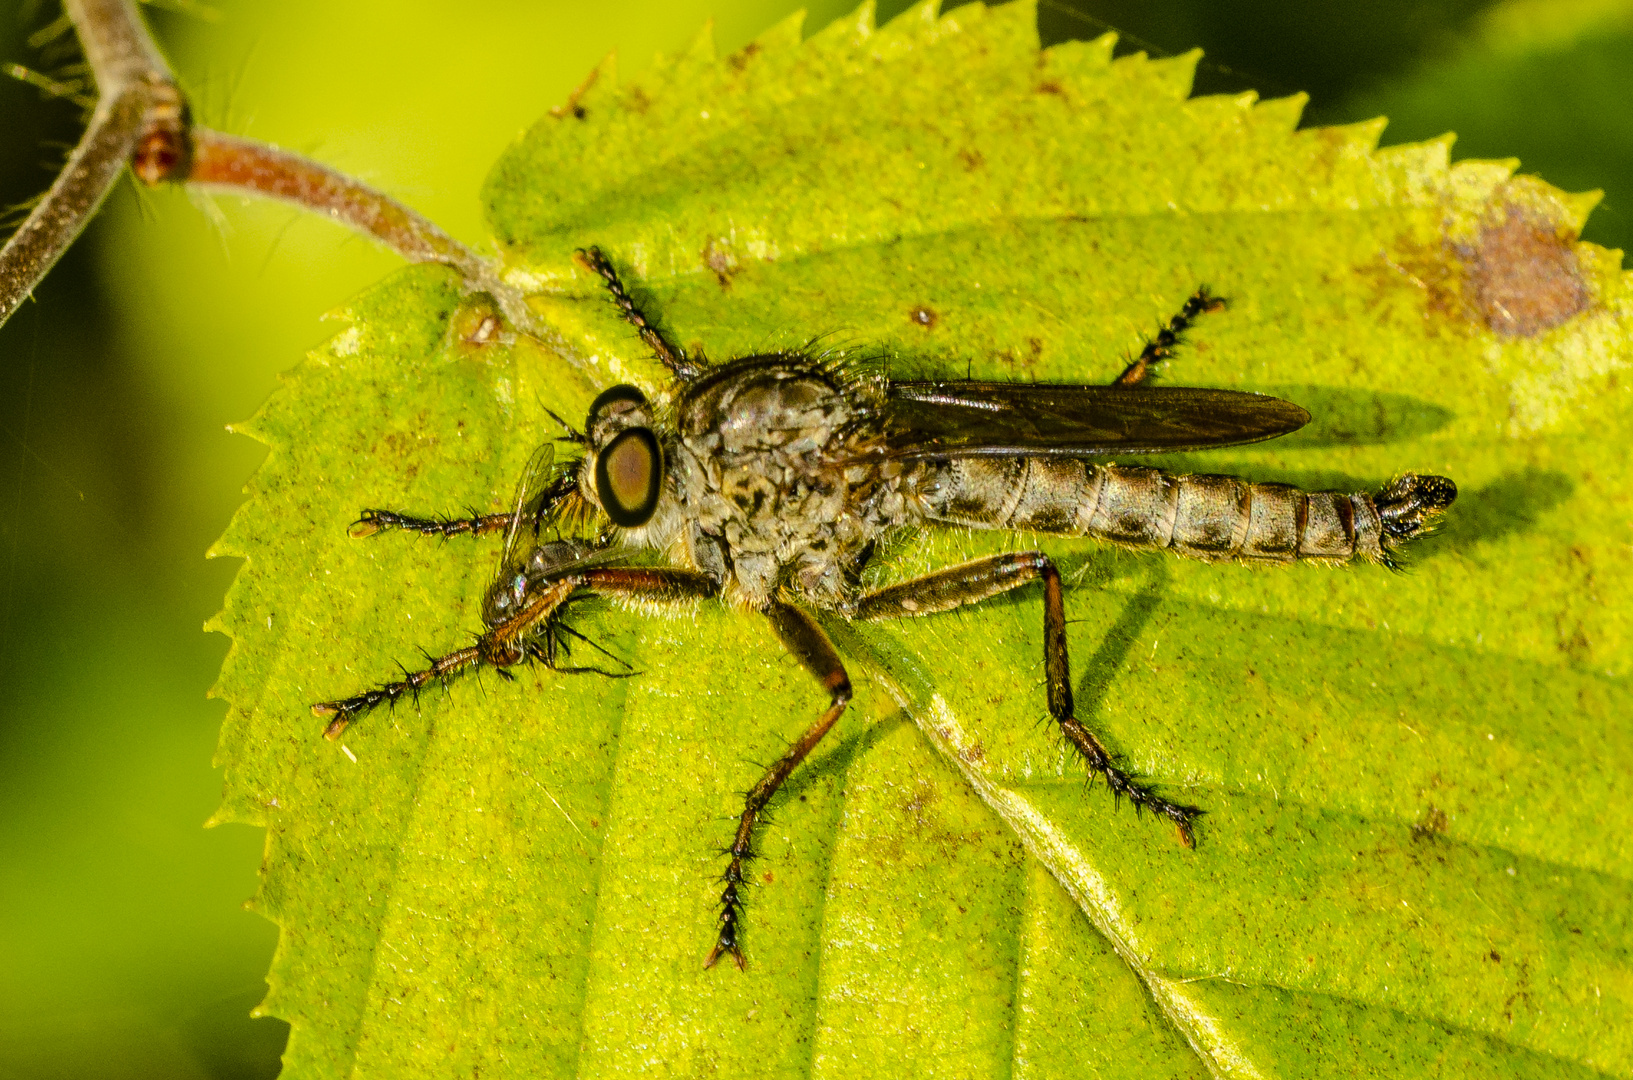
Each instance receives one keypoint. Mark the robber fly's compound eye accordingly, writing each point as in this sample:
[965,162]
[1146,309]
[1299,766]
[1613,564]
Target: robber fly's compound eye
[629,476]
[615,400]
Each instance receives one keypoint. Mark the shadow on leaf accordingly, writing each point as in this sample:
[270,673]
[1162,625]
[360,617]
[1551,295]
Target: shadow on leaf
[1512,503]
[1341,416]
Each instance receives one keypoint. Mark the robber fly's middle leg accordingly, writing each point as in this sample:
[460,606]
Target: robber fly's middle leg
[982,579]
[1161,347]
[804,638]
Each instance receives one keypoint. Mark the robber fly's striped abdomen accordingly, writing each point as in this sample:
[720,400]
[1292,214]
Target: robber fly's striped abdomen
[1214,518]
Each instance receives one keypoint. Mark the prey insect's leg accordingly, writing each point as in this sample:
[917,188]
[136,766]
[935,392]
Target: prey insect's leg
[804,638]
[672,356]
[973,582]
[503,645]
[1161,347]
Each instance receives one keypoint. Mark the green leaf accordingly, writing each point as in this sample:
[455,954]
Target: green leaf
[1413,859]
[1540,80]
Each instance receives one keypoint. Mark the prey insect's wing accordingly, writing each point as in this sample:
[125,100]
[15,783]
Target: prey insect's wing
[538,504]
[527,509]
[998,419]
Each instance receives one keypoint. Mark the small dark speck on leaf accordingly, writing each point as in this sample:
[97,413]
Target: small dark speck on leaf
[1523,275]
[720,259]
[1495,958]
[1434,823]
[925,317]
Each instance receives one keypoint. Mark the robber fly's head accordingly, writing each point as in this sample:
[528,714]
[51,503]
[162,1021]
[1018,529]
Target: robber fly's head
[623,469]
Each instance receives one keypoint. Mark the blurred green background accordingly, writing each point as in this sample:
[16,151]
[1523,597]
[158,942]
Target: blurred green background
[123,948]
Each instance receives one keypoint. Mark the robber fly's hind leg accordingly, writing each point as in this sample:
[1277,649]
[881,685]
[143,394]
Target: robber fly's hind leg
[1161,347]
[975,581]
[811,647]
[672,356]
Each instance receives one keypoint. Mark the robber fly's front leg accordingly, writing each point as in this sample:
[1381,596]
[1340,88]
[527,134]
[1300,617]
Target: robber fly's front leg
[370,522]
[804,638]
[504,645]
[498,648]
[1161,347]
[975,581]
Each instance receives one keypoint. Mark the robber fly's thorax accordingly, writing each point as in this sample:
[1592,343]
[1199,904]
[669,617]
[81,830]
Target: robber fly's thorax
[769,474]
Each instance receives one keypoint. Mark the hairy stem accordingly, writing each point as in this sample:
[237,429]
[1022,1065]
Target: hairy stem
[232,163]
[141,118]
[133,84]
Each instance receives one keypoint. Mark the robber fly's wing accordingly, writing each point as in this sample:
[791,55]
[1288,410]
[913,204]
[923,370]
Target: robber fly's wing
[998,419]
[522,533]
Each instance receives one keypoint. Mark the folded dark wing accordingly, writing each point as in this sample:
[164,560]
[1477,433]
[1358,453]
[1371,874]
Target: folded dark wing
[998,419]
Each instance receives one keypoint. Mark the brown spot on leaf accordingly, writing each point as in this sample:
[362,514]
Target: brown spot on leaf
[1433,823]
[1523,275]
[476,326]
[1051,86]
[1573,640]
[718,257]
[924,316]
[972,159]
[1436,272]
[739,60]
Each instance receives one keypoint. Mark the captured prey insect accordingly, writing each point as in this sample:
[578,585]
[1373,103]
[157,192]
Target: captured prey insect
[767,481]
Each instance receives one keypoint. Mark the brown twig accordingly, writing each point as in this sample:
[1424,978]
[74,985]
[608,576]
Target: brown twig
[228,162]
[141,118]
[132,82]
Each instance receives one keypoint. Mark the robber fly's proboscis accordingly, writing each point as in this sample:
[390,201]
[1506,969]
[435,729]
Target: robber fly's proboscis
[767,481]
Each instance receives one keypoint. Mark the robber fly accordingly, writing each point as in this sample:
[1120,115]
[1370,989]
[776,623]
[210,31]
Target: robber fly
[766,482]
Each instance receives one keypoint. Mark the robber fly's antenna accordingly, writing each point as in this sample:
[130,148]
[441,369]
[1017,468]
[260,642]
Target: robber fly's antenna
[573,434]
